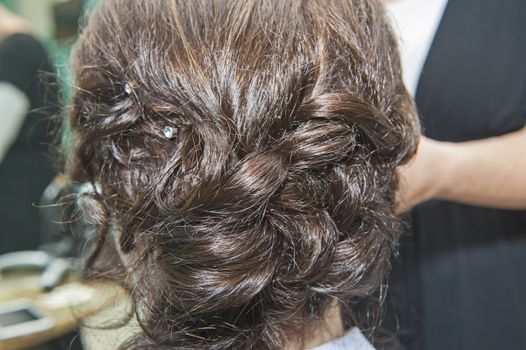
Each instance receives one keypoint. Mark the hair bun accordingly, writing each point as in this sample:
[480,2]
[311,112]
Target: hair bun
[250,180]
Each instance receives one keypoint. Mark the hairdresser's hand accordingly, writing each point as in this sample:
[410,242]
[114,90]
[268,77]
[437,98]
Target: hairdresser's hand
[425,176]
[12,24]
[488,172]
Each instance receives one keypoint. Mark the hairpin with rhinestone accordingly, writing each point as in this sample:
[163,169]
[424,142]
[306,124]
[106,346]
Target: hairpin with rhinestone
[128,89]
[169,132]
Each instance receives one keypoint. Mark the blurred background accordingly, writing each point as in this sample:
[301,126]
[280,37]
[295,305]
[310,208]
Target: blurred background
[34,244]
[27,166]
[54,22]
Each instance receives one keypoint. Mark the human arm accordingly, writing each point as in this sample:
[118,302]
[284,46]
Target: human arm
[489,172]
[12,24]
[13,101]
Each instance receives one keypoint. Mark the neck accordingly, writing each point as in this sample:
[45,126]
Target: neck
[329,329]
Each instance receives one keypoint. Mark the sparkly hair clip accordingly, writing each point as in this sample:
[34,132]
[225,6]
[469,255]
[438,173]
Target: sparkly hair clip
[128,88]
[169,132]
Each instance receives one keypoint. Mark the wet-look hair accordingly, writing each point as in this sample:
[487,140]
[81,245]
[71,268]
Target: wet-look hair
[242,158]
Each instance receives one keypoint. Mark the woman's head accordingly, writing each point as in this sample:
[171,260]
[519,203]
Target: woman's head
[243,154]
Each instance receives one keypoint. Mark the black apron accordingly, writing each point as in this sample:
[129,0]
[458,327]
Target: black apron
[462,282]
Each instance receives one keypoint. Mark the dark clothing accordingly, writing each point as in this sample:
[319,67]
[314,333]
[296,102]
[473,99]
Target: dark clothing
[465,266]
[27,168]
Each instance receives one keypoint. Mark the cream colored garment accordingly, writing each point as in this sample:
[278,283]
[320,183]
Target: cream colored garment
[14,106]
[415,22]
[99,333]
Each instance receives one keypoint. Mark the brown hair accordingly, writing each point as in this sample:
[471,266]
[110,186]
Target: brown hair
[242,155]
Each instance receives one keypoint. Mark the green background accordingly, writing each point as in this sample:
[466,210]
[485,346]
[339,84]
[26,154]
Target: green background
[58,48]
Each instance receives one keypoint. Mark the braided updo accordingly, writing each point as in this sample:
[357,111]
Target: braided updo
[242,155]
